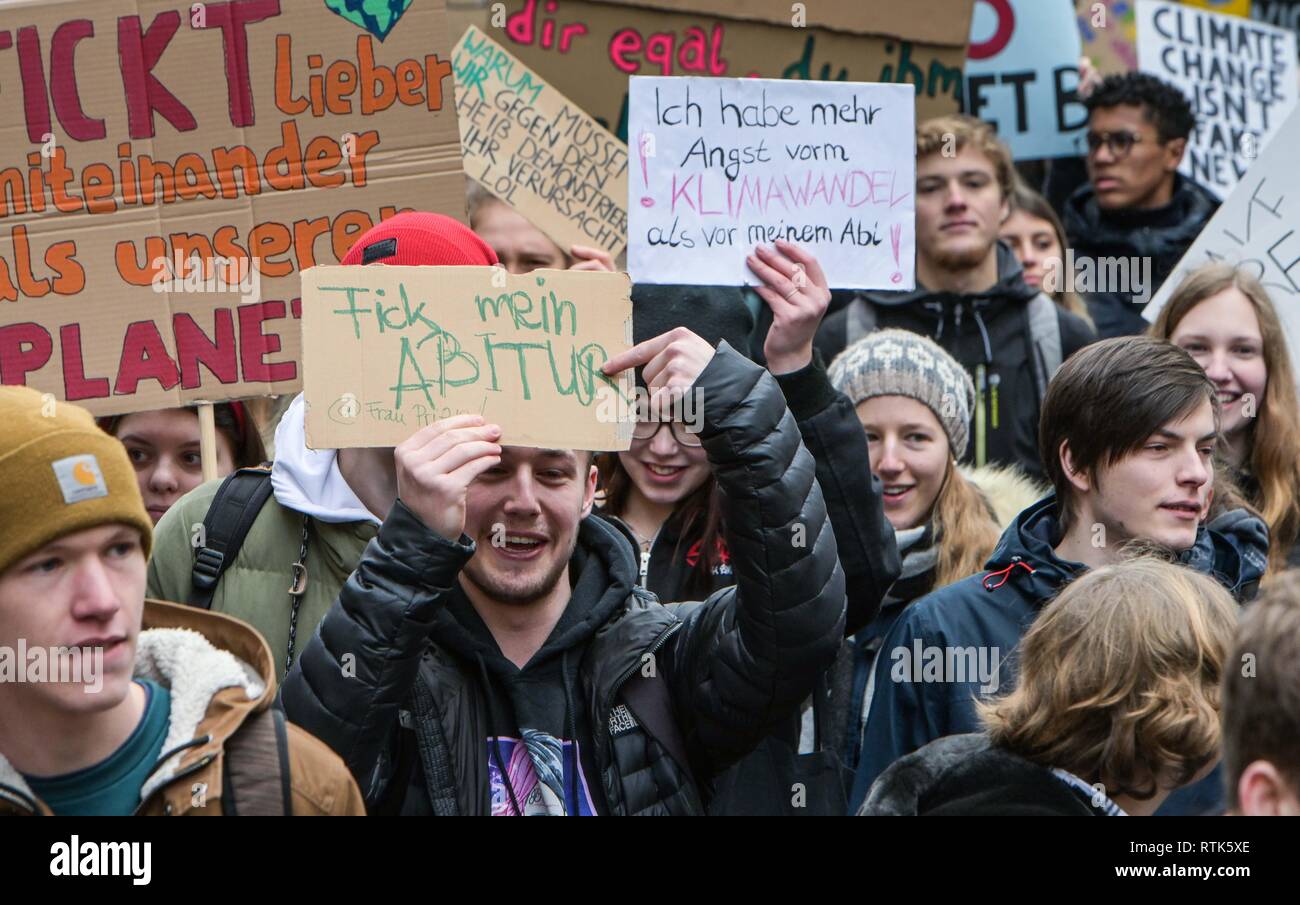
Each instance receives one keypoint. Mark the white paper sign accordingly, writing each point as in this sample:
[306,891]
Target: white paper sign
[1258,229]
[722,165]
[1240,75]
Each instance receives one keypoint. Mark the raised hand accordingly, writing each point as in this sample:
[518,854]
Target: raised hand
[436,465]
[591,259]
[795,288]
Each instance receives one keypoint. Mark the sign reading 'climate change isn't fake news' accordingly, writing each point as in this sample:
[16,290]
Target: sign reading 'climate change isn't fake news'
[721,165]
[425,343]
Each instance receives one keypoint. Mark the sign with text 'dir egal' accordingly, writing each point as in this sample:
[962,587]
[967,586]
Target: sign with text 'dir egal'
[722,165]
[426,343]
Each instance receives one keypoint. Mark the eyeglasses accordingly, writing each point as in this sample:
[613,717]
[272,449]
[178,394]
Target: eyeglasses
[648,430]
[1119,143]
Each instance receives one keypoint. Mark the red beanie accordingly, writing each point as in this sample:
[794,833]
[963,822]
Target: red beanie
[419,238]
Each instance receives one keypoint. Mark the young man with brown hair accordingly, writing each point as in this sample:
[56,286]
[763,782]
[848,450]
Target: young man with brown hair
[1128,433]
[1261,705]
[111,704]
[971,297]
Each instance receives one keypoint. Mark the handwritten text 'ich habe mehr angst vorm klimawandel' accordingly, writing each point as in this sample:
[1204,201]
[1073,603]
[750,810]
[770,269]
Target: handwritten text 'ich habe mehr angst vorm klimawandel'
[830,178]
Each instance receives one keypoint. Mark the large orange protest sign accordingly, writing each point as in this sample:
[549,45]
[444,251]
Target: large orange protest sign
[587,50]
[168,168]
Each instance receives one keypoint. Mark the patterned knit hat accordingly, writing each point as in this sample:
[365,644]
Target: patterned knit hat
[60,474]
[901,363]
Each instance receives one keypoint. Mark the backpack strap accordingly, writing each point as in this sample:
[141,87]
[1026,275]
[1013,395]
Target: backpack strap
[255,780]
[230,516]
[1045,337]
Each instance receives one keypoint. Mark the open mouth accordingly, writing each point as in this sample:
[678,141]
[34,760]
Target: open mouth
[1226,398]
[897,494]
[664,474]
[521,546]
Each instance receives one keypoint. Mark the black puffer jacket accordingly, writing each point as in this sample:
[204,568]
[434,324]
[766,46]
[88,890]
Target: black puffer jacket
[1162,235]
[413,708]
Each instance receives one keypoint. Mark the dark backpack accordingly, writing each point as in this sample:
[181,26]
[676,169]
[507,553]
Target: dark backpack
[230,516]
[255,769]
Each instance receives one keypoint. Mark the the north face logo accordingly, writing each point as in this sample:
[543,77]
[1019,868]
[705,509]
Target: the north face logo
[79,478]
[621,721]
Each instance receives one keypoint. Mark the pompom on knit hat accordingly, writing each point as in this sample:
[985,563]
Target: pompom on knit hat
[59,474]
[902,363]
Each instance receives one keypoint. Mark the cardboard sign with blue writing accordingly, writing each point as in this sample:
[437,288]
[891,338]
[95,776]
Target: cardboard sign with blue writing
[536,150]
[1239,75]
[722,165]
[1255,229]
[1022,72]
[389,350]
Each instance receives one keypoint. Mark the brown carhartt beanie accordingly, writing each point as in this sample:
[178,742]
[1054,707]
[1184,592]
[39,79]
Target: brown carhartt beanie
[59,474]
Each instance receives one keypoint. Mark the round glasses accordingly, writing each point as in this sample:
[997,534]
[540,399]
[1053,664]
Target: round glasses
[648,430]
[1118,143]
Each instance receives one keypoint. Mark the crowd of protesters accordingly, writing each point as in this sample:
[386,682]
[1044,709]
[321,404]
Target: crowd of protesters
[990,546]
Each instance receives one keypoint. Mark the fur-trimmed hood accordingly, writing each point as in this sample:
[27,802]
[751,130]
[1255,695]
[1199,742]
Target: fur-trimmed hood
[1006,489]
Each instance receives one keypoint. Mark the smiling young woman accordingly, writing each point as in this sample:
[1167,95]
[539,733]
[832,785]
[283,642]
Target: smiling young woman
[1225,320]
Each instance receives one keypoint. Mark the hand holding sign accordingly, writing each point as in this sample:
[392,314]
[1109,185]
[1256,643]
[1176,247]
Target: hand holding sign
[438,463]
[592,259]
[673,361]
[794,287]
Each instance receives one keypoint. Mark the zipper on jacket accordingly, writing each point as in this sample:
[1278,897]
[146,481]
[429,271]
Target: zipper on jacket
[645,566]
[981,429]
[651,651]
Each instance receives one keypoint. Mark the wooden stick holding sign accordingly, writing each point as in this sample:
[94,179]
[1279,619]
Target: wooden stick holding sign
[208,441]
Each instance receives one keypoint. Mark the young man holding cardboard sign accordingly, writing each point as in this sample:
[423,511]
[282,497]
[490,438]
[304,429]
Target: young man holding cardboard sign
[492,655]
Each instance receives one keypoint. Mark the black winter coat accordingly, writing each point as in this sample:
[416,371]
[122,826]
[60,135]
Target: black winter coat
[1161,236]
[412,713]
[964,776]
[989,335]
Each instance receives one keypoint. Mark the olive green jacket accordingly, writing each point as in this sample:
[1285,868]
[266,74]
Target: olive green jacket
[255,587]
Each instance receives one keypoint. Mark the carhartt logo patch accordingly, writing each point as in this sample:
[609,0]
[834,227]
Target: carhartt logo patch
[79,478]
[621,721]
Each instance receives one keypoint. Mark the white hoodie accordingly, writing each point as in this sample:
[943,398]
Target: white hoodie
[308,480]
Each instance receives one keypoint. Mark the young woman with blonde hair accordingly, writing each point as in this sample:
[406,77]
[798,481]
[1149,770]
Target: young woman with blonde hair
[1223,317]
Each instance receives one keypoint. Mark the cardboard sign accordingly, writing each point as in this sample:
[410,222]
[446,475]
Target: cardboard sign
[589,49]
[1256,229]
[426,343]
[726,164]
[168,169]
[1021,74]
[1240,76]
[534,149]
[1108,29]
